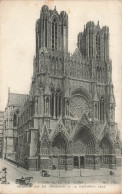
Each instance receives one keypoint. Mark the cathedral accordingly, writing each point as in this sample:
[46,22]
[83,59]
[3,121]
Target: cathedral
[67,120]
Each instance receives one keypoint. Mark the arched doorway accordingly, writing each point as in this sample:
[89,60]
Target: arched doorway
[107,159]
[106,145]
[59,151]
[83,148]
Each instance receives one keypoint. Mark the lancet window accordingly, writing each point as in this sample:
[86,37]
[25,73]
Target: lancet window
[15,120]
[46,33]
[102,111]
[98,47]
[56,102]
[54,34]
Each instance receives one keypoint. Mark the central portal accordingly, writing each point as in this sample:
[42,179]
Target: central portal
[76,162]
[82,162]
[79,162]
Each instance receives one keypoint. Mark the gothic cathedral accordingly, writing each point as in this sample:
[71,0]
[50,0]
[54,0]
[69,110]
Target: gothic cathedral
[68,119]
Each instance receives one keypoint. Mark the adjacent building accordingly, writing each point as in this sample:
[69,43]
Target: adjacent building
[10,124]
[68,119]
[1,132]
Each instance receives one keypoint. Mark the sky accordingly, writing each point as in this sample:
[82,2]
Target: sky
[17,40]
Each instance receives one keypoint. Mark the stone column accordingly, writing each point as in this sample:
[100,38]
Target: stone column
[57,105]
[65,107]
[84,161]
[79,162]
[61,106]
[54,108]
[90,44]
[87,44]
[36,105]
[49,107]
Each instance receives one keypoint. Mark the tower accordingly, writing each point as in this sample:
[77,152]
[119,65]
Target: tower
[50,69]
[52,30]
[94,42]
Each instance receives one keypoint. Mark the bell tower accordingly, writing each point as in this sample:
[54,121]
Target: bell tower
[93,42]
[52,30]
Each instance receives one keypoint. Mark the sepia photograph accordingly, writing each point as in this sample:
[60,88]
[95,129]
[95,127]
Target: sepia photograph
[60,96]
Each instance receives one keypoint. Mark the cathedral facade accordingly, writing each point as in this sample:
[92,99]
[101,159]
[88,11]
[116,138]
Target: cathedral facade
[68,119]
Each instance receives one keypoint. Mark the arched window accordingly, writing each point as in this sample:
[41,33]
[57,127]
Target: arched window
[15,120]
[89,37]
[52,104]
[53,66]
[56,103]
[96,111]
[102,111]
[46,33]
[98,47]
[56,67]
[60,104]
[54,34]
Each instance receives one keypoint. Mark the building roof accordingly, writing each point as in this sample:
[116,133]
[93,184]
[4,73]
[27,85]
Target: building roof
[16,99]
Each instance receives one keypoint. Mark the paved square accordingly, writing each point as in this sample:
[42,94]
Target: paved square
[76,176]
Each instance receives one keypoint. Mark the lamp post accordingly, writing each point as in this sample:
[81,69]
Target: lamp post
[59,165]
[80,170]
[80,164]
[59,171]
